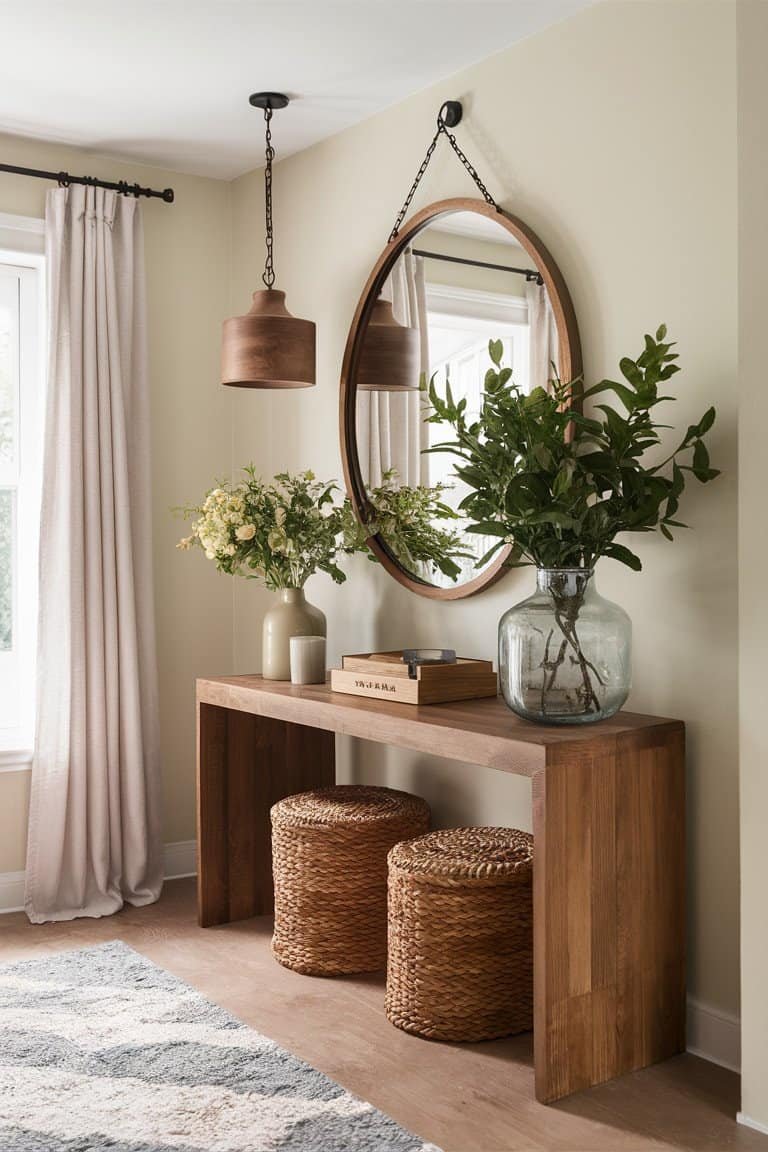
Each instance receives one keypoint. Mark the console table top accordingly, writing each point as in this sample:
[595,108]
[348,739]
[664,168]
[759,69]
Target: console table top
[483,732]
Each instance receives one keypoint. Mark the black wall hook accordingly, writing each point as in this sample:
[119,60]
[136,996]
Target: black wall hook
[450,114]
[448,117]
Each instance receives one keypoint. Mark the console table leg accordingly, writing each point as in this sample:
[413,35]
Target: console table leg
[609,909]
[245,764]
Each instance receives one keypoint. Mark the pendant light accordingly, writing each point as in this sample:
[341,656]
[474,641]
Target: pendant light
[390,356]
[268,347]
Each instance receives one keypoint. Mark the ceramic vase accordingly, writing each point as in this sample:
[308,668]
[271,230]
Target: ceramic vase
[292,615]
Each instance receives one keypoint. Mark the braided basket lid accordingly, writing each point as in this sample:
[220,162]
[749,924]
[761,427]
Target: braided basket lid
[487,855]
[348,804]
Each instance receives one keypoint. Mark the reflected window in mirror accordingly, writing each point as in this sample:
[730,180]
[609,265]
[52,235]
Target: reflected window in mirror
[478,286]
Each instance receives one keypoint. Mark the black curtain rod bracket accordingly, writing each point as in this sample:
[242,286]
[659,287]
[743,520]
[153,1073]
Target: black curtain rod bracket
[64,179]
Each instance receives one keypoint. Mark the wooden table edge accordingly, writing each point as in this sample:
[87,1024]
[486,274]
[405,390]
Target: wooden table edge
[524,751]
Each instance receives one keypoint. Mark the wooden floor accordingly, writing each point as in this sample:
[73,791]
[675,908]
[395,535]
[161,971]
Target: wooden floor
[464,1098]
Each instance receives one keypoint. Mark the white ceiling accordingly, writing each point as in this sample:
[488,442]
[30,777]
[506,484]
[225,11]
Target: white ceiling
[474,226]
[166,82]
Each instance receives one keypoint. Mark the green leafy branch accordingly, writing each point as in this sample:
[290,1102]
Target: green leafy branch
[559,486]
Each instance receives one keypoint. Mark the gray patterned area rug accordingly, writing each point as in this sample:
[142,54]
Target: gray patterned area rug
[101,1049]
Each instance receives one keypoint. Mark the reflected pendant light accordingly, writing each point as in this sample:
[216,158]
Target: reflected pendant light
[390,356]
[268,348]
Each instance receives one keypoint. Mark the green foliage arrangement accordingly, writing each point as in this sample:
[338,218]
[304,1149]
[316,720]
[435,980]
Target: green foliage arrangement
[281,532]
[558,485]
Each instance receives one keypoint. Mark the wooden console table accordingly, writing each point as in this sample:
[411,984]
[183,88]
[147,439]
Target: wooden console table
[609,827]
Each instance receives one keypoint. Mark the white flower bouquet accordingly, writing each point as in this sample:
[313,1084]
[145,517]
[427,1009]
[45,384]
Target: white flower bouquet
[280,532]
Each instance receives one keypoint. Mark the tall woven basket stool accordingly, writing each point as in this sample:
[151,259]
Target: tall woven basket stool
[460,963]
[329,860]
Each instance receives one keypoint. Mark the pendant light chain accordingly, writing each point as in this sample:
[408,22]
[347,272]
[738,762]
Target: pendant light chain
[269,264]
[268,347]
[441,130]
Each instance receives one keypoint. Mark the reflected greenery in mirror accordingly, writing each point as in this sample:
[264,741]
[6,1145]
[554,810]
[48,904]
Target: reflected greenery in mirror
[559,486]
[410,519]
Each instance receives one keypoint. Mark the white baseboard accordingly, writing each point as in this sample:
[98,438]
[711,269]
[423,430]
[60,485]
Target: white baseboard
[179,860]
[714,1035]
[11,891]
[748,1122]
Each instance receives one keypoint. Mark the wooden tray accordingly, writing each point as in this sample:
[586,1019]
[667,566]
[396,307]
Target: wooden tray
[384,676]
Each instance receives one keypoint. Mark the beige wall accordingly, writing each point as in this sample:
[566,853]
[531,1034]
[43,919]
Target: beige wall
[753,552]
[613,136]
[187,262]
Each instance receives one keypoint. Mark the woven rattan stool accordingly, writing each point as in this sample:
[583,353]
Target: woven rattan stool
[329,858]
[460,963]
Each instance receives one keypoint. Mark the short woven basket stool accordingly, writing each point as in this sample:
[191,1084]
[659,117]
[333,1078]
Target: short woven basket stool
[329,859]
[460,963]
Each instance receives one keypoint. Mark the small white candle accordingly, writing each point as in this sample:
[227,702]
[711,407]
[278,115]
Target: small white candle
[307,659]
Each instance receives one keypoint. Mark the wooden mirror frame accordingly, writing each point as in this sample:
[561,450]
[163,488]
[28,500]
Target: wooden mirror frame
[570,369]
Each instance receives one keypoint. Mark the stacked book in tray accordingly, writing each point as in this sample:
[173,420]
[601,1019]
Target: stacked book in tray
[386,676]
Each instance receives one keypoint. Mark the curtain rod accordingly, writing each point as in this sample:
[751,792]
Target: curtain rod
[64,179]
[530,274]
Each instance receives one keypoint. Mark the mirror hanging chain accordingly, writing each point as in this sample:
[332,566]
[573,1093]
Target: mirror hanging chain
[268,276]
[448,117]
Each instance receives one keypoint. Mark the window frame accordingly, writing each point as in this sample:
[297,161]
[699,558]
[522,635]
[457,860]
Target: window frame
[21,248]
[476,304]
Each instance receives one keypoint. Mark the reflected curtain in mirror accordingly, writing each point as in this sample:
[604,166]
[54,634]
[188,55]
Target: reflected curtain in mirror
[391,434]
[542,335]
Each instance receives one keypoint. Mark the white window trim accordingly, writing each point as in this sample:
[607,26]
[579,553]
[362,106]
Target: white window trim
[13,761]
[22,243]
[474,304]
[22,234]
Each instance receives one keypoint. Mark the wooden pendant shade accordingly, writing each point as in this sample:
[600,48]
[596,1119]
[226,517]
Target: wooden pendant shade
[268,347]
[390,359]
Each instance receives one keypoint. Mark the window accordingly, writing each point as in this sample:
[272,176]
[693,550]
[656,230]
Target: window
[461,322]
[21,365]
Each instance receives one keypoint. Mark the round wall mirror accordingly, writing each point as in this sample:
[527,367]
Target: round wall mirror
[459,274]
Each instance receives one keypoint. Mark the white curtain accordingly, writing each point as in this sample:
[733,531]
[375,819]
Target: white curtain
[94,833]
[544,349]
[390,425]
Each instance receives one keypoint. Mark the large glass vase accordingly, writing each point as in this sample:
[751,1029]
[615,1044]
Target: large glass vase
[565,652]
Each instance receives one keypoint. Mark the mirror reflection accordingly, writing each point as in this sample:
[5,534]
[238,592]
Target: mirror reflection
[461,281]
